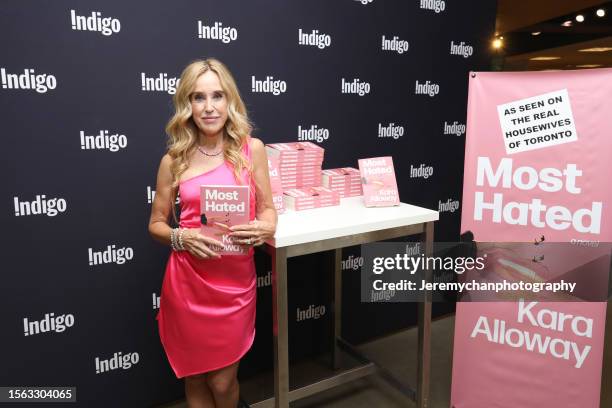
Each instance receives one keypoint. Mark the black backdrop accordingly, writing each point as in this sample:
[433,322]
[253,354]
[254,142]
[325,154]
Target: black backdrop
[94,75]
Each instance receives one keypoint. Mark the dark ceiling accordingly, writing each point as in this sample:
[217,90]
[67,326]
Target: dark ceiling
[517,20]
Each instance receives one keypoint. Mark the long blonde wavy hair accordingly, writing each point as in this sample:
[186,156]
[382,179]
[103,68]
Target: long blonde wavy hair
[183,132]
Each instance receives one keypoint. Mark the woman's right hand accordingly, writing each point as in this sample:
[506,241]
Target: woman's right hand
[198,245]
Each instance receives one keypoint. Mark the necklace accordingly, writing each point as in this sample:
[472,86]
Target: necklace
[209,154]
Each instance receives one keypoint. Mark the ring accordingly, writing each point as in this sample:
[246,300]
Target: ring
[249,241]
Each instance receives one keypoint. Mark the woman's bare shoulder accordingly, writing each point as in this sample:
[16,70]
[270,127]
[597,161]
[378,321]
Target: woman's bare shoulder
[166,161]
[257,146]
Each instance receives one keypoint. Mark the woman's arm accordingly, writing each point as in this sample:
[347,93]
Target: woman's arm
[264,225]
[162,203]
[160,230]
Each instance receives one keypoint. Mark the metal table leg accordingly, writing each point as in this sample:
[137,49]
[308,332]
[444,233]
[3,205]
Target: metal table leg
[280,328]
[424,342]
[337,308]
[282,394]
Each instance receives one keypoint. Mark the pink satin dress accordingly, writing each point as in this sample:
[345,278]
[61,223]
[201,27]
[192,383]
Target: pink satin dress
[206,317]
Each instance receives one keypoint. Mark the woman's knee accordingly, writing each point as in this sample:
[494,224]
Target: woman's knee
[196,378]
[222,384]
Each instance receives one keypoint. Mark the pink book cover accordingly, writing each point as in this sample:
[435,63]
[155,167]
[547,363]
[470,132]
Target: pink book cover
[274,171]
[294,151]
[339,186]
[332,177]
[300,184]
[293,163]
[350,194]
[350,171]
[305,170]
[297,159]
[316,172]
[279,203]
[340,183]
[302,174]
[330,172]
[378,181]
[298,164]
[308,147]
[294,192]
[343,172]
[312,197]
[220,208]
[291,198]
[342,179]
[302,148]
[301,179]
[285,180]
[324,193]
[356,189]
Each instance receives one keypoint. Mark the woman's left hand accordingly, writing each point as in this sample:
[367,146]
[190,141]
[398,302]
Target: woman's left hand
[254,233]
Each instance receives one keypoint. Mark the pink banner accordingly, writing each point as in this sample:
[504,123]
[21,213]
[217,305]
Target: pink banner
[536,165]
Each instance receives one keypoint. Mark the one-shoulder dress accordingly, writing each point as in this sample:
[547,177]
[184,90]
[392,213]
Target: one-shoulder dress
[206,317]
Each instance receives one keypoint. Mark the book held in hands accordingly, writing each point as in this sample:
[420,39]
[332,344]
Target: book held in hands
[222,207]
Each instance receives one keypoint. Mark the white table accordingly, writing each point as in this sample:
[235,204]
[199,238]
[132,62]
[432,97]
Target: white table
[333,228]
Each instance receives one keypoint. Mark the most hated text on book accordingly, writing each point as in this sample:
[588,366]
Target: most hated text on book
[222,207]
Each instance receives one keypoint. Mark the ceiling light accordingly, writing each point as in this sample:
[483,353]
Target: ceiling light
[536,33]
[544,58]
[588,66]
[600,12]
[497,43]
[596,49]
[567,23]
[580,18]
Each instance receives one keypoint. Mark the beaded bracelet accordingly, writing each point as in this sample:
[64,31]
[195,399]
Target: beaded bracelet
[180,239]
[176,239]
[173,239]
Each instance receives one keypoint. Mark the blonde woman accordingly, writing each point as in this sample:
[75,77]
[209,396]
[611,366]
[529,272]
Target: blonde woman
[207,312]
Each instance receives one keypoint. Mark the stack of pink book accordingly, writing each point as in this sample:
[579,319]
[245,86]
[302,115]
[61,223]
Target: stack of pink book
[299,163]
[346,181]
[298,199]
[275,182]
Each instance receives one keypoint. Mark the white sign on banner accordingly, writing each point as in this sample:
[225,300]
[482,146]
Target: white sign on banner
[537,122]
